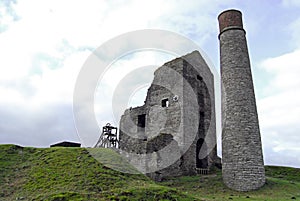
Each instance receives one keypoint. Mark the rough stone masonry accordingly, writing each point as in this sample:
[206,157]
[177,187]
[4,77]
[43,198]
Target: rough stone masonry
[174,132]
[242,158]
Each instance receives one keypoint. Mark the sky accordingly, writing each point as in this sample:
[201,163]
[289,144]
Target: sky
[44,44]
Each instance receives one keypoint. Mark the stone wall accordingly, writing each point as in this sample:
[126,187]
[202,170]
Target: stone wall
[179,134]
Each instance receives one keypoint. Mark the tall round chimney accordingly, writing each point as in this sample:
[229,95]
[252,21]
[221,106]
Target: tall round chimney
[242,158]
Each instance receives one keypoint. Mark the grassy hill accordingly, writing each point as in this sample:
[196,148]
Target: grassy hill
[73,174]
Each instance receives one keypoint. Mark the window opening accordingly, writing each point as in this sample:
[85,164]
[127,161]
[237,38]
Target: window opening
[141,122]
[165,102]
[199,78]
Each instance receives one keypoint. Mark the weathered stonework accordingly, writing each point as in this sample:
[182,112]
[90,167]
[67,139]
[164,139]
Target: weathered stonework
[174,132]
[242,159]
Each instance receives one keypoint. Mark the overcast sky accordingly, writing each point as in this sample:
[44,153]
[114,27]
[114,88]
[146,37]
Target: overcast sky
[44,44]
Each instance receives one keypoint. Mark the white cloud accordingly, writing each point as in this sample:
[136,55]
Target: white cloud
[130,72]
[44,44]
[56,85]
[291,3]
[284,70]
[294,30]
[279,113]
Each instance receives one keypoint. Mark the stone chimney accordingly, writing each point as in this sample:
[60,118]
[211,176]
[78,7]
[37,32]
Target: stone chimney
[242,158]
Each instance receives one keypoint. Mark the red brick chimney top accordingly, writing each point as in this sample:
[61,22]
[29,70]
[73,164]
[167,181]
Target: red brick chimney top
[230,19]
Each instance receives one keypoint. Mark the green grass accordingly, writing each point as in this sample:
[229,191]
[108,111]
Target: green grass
[211,187]
[58,174]
[73,174]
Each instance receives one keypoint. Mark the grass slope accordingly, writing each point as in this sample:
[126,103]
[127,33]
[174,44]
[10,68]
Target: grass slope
[73,174]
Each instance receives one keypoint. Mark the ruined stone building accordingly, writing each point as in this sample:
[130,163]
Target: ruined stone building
[176,128]
[174,132]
